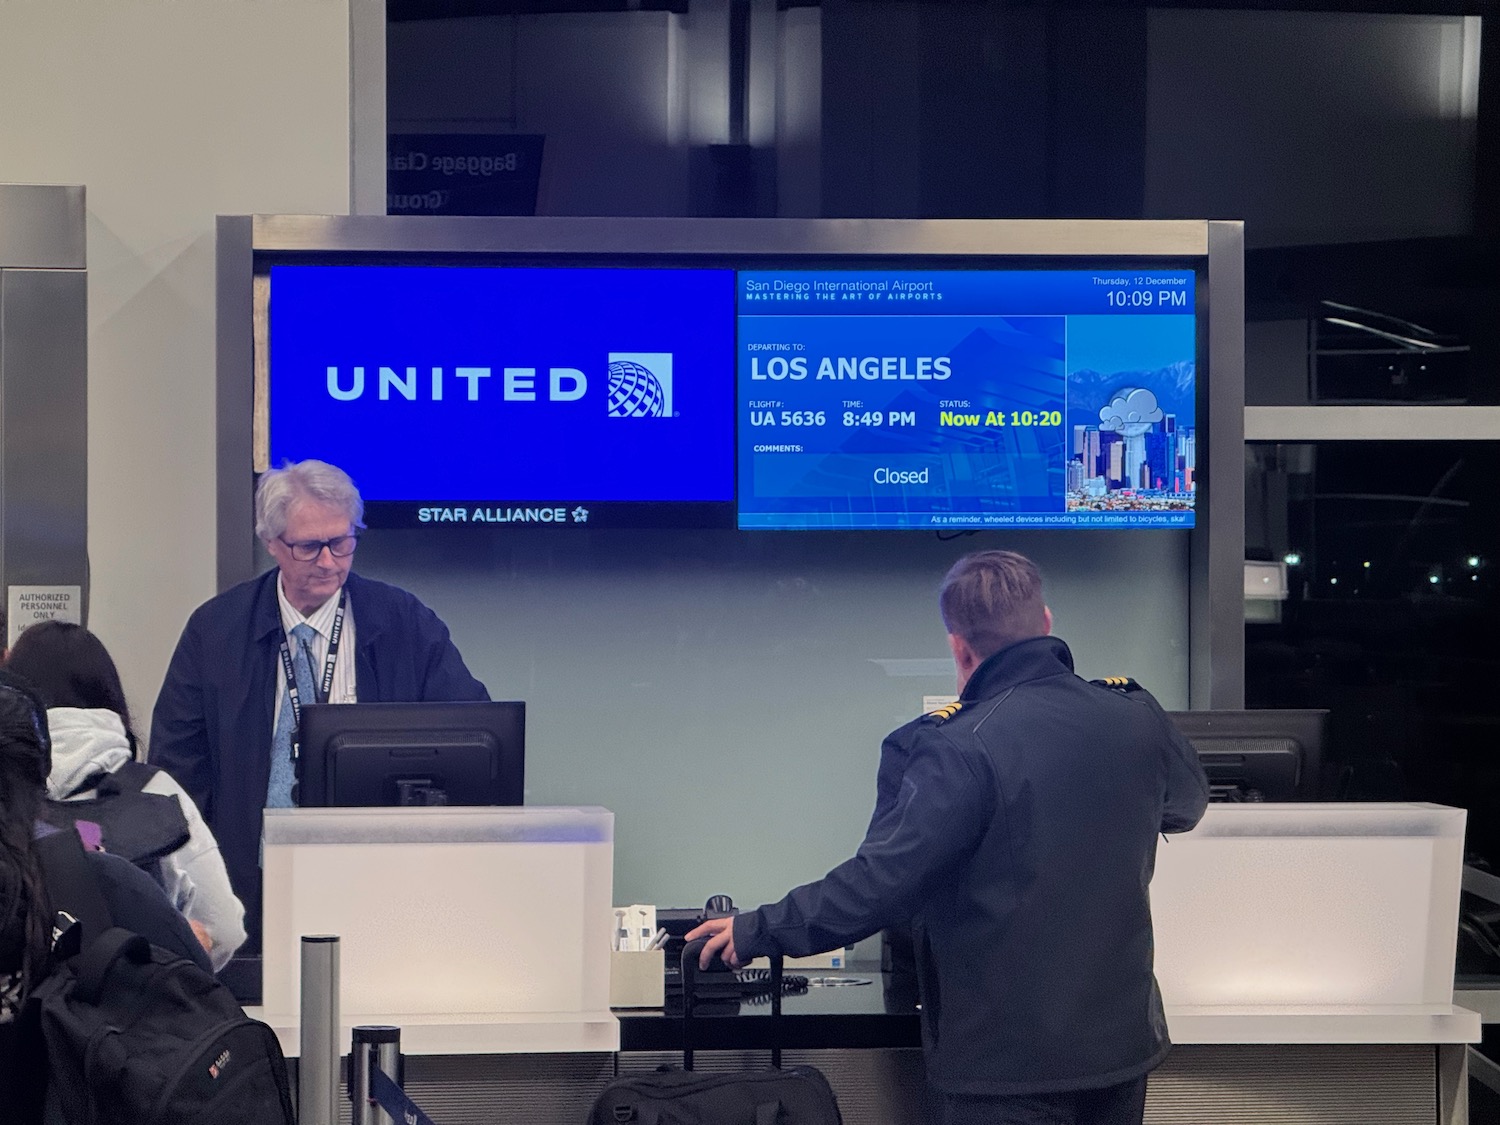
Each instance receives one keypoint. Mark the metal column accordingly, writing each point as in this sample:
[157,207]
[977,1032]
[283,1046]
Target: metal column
[43,403]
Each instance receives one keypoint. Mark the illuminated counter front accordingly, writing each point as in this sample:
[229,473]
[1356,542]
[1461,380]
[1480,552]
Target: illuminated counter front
[1305,954]
[475,930]
[1312,923]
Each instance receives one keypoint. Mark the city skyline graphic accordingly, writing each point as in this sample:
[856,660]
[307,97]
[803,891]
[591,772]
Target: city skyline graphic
[1130,454]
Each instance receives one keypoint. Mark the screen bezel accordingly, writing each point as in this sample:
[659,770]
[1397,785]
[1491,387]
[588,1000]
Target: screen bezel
[385,512]
[245,245]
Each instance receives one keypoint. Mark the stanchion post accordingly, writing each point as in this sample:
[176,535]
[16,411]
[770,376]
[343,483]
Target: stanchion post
[372,1046]
[318,1066]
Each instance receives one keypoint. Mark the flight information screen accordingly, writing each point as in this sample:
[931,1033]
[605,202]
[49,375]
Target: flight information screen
[966,398]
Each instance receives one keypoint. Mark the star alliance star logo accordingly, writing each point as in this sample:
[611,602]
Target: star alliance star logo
[580,514]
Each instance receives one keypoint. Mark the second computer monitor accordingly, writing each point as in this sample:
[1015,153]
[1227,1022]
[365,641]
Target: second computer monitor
[393,754]
[1258,755]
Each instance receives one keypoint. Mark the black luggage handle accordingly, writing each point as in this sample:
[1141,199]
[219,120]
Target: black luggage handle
[95,962]
[690,954]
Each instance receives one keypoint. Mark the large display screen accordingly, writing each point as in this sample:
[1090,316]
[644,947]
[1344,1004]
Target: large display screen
[966,399]
[602,395]
[488,395]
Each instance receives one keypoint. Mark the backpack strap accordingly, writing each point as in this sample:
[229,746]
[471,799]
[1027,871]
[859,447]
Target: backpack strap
[99,957]
[129,778]
[71,883]
[92,781]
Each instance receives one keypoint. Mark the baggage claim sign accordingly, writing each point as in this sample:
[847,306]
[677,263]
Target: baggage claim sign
[598,397]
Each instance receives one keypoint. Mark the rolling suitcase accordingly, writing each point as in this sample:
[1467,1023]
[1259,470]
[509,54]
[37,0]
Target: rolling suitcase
[797,1095]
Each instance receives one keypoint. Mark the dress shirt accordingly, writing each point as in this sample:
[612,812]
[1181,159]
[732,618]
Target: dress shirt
[321,621]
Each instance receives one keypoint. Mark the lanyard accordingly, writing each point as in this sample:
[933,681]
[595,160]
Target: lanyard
[325,686]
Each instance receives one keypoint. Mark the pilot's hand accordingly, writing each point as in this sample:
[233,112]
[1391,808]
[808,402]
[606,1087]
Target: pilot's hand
[720,935]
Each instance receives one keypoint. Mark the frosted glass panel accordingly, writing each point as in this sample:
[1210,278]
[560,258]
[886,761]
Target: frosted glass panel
[725,694]
[442,912]
[1310,904]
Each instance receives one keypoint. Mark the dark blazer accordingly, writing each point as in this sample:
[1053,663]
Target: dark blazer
[1017,832]
[214,719]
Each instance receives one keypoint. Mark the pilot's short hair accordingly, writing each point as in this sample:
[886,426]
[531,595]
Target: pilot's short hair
[992,599]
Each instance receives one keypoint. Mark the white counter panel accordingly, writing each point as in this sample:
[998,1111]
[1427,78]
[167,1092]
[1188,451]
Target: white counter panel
[489,914]
[1312,905]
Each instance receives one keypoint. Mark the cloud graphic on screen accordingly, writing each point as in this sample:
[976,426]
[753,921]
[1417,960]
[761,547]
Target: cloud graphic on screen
[1132,410]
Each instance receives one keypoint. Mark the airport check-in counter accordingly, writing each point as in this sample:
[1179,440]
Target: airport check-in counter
[474,930]
[1305,954]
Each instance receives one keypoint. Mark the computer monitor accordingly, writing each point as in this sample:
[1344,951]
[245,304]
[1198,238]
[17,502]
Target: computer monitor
[381,754]
[1259,755]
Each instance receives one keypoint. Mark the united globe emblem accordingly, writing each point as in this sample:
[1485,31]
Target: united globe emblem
[634,391]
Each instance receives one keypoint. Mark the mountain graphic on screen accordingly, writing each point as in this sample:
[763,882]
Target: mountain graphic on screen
[1173,386]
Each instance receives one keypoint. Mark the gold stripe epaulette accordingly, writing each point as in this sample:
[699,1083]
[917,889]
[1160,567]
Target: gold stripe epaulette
[943,714]
[1118,683]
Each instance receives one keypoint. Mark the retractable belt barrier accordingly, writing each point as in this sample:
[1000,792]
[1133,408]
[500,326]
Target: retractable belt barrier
[375,1073]
[393,1100]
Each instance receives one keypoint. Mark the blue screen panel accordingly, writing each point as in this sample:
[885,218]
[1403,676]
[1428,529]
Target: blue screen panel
[967,399]
[472,394]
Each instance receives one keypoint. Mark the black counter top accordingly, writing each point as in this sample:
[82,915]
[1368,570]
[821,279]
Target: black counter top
[874,1015]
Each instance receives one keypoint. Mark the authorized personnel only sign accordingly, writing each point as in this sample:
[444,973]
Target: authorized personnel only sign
[29,604]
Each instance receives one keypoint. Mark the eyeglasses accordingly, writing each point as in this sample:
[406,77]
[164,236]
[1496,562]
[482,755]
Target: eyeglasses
[306,550]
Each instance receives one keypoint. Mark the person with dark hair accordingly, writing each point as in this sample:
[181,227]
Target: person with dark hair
[25,925]
[93,746]
[307,631]
[135,902]
[1015,831]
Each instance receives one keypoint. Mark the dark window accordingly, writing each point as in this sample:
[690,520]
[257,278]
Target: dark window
[1392,552]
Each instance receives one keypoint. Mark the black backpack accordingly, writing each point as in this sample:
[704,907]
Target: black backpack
[135,1035]
[135,825]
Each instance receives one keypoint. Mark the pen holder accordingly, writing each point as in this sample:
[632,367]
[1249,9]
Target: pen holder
[637,979]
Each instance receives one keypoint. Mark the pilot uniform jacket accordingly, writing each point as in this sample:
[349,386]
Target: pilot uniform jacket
[213,722]
[1017,831]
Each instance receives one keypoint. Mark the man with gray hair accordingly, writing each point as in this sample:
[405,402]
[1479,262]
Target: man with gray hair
[226,715]
[1015,830]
